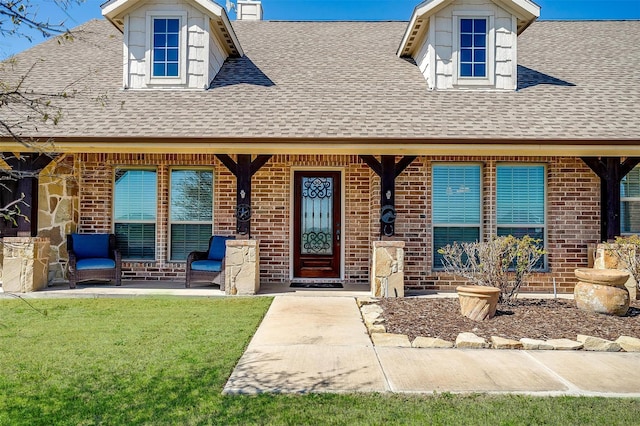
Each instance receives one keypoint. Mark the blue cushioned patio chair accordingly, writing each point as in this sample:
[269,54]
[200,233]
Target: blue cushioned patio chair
[208,265]
[93,257]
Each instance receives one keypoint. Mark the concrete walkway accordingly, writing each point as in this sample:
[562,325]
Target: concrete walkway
[320,344]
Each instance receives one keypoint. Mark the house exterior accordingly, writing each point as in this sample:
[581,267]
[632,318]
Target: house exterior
[471,120]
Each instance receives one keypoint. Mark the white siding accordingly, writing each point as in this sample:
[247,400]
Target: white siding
[442,43]
[204,54]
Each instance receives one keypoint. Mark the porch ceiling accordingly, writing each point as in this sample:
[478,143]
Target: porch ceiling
[344,146]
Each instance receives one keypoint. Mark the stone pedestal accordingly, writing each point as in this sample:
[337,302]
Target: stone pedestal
[602,291]
[242,267]
[387,269]
[605,259]
[25,266]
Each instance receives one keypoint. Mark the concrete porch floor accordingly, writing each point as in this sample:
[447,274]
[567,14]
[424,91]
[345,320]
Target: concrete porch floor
[60,289]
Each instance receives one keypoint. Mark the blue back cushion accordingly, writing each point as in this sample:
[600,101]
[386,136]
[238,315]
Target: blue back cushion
[87,246]
[218,247]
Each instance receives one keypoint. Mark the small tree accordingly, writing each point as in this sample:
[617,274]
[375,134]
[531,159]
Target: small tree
[502,262]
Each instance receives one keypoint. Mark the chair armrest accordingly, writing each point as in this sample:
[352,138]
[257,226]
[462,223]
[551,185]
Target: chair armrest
[115,253]
[196,255]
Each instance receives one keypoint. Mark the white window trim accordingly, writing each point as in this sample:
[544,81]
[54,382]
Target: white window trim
[629,200]
[113,211]
[171,222]
[489,80]
[435,225]
[524,225]
[182,69]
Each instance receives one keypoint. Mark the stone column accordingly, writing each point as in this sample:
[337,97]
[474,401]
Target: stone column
[387,269]
[605,259]
[242,267]
[25,266]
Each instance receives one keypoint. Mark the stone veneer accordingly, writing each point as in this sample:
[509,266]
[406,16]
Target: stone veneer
[242,267]
[26,264]
[387,269]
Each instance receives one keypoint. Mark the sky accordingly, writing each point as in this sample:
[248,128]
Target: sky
[329,10]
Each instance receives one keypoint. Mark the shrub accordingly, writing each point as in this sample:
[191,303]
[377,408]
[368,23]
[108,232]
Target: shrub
[627,251]
[502,262]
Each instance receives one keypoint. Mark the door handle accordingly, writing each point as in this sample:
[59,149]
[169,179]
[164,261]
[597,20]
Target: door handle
[338,235]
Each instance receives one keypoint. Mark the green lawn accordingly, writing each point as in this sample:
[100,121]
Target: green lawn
[165,361]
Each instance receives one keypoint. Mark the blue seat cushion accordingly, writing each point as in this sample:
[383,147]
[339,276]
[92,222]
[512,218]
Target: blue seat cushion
[218,247]
[207,265]
[93,263]
[87,246]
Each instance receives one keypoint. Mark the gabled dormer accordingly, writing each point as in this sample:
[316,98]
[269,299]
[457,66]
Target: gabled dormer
[177,44]
[468,44]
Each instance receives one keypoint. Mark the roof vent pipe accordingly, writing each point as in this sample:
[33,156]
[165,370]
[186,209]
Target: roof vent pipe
[249,10]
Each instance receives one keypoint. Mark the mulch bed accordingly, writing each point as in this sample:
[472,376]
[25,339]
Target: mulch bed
[532,318]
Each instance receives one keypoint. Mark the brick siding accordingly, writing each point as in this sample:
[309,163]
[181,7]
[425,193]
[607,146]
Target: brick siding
[573,209]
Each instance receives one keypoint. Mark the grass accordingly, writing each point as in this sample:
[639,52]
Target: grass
[165,361]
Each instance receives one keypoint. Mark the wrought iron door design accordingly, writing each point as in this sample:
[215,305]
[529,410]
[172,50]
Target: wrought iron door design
[317,224]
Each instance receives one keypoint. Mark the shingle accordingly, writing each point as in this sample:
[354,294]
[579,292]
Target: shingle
[578,80]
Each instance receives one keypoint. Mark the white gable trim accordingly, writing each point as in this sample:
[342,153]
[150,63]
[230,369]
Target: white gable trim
[525,10]
[114,11]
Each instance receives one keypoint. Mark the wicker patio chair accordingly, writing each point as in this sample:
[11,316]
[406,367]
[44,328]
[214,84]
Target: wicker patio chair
[93,257]
[208,265]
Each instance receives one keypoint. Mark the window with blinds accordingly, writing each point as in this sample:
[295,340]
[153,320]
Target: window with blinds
[630,203]
[521,202]
[456,192]
[191,212]
[135,204]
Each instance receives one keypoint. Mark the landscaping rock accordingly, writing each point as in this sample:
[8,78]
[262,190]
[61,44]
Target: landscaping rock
[565,344]
[470,341]
[597,344]
[362,301]
[371,310]
[390,339]
[502,343]
[376,328]
[629,344]
[431,342]
[535,344]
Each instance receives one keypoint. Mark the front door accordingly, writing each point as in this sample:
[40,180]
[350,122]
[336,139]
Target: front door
[317,214]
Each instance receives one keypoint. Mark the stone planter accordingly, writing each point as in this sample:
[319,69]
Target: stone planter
[602,291]
[478,302]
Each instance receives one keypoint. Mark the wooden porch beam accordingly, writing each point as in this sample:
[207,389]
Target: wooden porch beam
[243,170]
[611,172]
[26,167]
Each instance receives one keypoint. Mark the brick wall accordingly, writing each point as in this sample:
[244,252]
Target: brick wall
[572,212]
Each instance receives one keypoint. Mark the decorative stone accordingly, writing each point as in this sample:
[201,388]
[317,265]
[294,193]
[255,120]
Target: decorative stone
[535,344]
[362,301]
[502,343]
[477,302]
[606,259]
[602,291]
[242,267]
[470,341]
[391,339]
[629,344]
[431,342]
[25,264]
[376,328]
[591,343]
[565,344]
[387,269]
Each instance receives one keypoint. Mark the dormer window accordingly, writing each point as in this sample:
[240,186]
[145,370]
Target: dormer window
[166,48]
[473,47]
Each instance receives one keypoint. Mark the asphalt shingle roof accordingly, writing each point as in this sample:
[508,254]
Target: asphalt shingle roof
[578,80]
